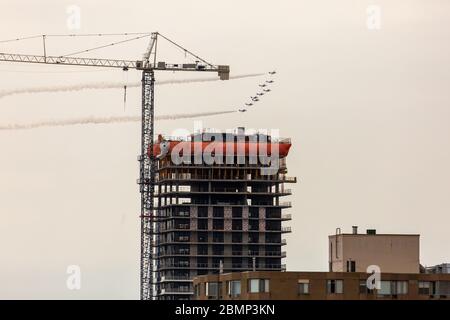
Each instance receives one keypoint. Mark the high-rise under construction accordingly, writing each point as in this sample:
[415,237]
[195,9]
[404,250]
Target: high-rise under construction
[217,207]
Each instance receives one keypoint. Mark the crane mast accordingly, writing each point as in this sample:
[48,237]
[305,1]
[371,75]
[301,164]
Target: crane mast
[149,257]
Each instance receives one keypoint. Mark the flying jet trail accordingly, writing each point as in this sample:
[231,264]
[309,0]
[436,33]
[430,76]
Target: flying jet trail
[111,85]
[105,120]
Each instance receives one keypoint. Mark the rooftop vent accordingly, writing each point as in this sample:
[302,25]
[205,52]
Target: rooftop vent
[355,229]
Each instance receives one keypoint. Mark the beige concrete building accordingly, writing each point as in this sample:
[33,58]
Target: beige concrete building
[399,276]
[355,252]
[271,285]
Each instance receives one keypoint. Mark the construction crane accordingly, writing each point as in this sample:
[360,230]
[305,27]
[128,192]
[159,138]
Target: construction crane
[148,65]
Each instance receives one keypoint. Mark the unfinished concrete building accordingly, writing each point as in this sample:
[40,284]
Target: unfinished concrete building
[218,217]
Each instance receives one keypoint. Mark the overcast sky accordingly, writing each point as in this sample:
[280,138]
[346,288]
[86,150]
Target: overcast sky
[367,111]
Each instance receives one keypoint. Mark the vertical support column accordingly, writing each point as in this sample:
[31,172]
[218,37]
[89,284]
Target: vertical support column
[262,219]
[227,219]
[262,235]
[147,189]
[193,218]
[227,227]
[245,218]
[210,217]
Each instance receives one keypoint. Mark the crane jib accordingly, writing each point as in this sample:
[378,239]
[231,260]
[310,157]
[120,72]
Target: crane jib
[223,71]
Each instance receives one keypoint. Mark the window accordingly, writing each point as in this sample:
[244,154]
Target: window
[393,288]
[202,237]
[401,287]
[236,237]
[237,212]
[385,288]
[202,249]
[202,212]
[258,285]
[303,286]
[363,289]
[212,290]
[218,224]
[425,287]
[218,212]
[335,286]
[234,288]
[351,266]
[442,288]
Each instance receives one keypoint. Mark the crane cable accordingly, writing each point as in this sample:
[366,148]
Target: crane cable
[98,34]
[76,35]
[105,46]
[185,50]
[140,36]
[19,39]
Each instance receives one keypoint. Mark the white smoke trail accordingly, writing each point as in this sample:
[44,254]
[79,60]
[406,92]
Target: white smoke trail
[111,85]
[105,120]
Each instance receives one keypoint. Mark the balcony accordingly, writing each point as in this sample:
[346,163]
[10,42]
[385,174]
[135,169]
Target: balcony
[286,204]
[175,265]
[274,241]
[175,278]
[285,178]
[184,226]
[181,214]
[182,239]
[282,267]
[286,191]
[223,192]
[276,254]
[286,229]
[235,165]
[286,216]
[199,203]
[175,253]
[181,290]
[188,177]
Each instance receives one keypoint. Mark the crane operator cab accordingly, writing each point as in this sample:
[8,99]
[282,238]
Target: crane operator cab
[199,66]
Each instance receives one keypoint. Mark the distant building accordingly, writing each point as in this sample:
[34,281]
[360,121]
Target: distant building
[355,252]
[269,285]
[396,255]
[440,268]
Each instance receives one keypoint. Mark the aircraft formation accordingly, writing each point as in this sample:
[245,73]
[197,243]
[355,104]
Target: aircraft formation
[264,88]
